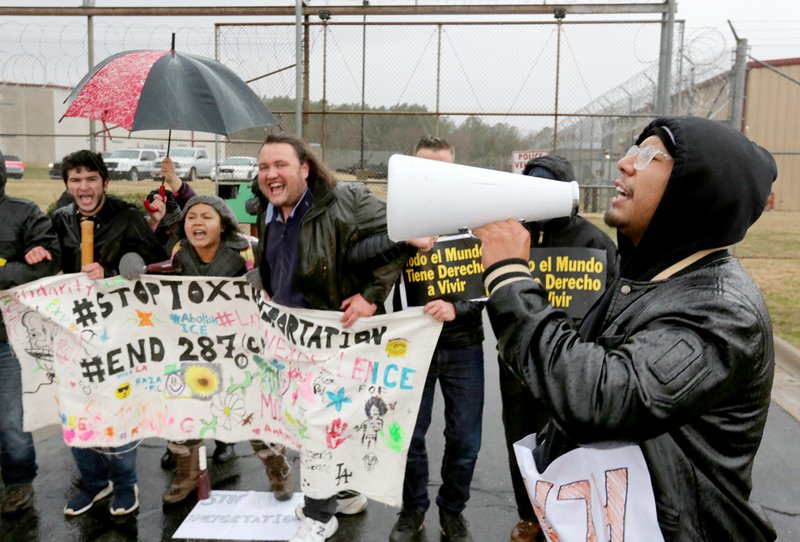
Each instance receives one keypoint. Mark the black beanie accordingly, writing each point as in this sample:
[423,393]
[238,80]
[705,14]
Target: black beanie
[559,168]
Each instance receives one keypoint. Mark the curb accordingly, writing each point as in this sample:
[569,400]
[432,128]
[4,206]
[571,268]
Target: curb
[787,356]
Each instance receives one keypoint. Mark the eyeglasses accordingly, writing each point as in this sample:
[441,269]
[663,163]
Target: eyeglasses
[645,155]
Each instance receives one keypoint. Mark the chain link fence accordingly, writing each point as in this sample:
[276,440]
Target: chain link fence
[582,89]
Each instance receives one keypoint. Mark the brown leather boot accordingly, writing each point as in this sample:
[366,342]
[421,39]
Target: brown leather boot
[187,472]
[279,472]
[525,531]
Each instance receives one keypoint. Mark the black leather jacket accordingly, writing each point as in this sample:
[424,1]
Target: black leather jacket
[682,366]
[119,228]
[338,218]
[24,226]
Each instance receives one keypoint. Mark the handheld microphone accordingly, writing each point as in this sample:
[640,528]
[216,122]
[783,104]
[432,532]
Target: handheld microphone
[131,266]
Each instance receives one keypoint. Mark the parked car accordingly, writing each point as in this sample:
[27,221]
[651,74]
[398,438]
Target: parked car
[15,168]
[54,170]
[190,163]
[236,168]
[131,164]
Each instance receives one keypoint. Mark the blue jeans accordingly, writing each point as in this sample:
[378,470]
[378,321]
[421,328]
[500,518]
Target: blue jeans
[99,465]
[17,454]
[460,375]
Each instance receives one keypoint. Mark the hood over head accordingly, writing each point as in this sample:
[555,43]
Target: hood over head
[718,188]
[3,174]
[550,166]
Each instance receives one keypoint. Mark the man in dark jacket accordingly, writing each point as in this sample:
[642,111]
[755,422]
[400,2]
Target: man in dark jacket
[457,364]
[310,225]
[118,228]
[28,251]
[523,414]
[677,357]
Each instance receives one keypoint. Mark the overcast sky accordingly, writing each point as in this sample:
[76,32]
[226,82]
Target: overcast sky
[769,25]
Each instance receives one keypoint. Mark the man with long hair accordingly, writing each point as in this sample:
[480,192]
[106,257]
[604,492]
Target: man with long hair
[310,223]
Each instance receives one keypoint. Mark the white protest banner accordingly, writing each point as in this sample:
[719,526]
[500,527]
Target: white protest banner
[186,357]
[591,494]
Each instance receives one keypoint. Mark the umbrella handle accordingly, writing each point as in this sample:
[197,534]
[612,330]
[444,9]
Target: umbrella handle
[162,191]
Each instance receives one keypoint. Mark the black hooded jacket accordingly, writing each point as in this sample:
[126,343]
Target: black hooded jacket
[119,228]
[719,186]
[681,365]
[24,226]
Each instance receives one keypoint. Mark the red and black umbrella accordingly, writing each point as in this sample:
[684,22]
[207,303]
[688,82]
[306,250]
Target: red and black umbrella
[167,90]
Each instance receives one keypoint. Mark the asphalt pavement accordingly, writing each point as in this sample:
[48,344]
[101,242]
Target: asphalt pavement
[491,511]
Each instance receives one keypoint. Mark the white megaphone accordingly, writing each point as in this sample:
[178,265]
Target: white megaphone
[429,197]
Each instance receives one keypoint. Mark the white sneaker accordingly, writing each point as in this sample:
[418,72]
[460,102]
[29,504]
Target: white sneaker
[351,505]
[311,530]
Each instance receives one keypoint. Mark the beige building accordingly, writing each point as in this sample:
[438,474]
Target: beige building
[772,119]
[36,111]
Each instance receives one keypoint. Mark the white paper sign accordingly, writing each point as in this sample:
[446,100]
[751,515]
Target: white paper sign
[241,515]
[591,494]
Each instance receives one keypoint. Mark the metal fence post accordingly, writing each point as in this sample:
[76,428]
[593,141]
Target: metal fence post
[665,60]
[298,121]
[90,58]
[739,74]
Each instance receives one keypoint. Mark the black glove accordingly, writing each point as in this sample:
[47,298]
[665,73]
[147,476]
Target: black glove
[172,217]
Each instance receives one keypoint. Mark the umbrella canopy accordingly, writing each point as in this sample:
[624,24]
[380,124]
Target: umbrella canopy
[166,90]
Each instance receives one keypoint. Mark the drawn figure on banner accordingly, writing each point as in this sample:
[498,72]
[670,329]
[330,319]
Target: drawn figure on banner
[321,383]
[41,335]
[303,387]
[174,386]
[376,409]
[370,461]
[272,376]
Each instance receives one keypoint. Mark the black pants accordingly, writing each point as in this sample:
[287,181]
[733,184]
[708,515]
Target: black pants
[522,415]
